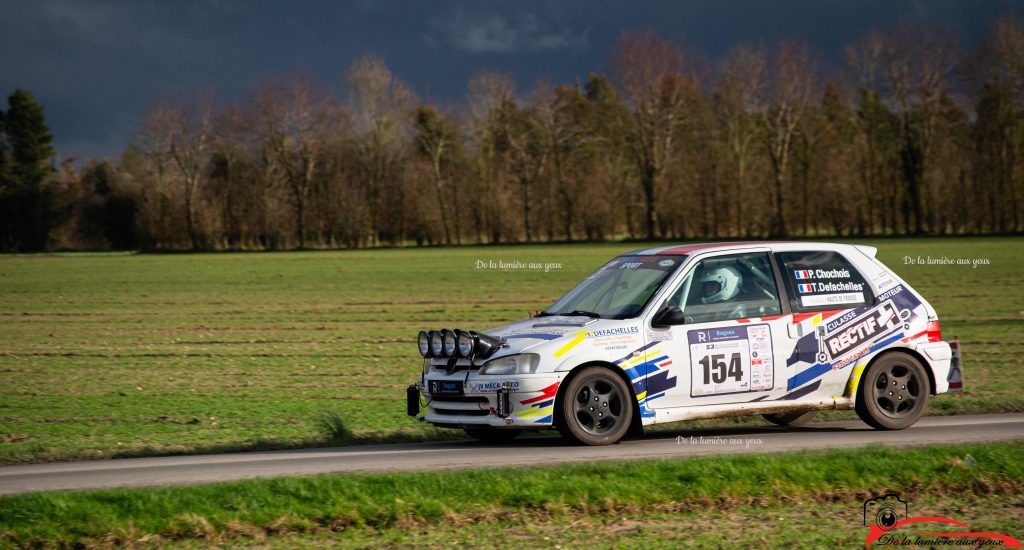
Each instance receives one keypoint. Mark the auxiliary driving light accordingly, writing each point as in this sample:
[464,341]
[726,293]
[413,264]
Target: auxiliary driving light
[436,344]
[466,340]
[423,341]
[448,339]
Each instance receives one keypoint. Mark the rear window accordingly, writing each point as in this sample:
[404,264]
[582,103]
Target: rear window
[821,280]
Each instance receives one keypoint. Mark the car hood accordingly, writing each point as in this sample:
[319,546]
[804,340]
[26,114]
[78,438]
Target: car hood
[556,330]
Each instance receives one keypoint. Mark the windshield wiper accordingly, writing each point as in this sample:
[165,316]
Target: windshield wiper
[583,313]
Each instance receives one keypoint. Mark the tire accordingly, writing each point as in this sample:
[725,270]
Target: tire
[893,392]
[790,418]
[492,435]
[596,408]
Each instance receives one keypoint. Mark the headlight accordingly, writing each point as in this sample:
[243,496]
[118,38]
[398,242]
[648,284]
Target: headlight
[423,341]
[436,345]
[524,363]
[465,341]
[448,339]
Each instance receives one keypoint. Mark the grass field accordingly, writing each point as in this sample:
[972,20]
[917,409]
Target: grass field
[804,500]
[121,355]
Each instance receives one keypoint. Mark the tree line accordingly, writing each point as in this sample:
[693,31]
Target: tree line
[914,136]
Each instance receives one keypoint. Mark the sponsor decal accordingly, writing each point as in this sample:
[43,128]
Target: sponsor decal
[731,360]
[630,265]
[613,332]
[863,330]
[659,335]
[890,293]
[492,385]
[667,263]
[831,299]
[883,280]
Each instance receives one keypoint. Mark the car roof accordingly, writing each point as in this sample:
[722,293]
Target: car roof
[686,249]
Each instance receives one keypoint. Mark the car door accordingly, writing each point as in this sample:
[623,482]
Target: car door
[727,350]
[827,294]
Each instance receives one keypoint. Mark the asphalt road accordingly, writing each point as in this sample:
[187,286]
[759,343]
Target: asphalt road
[527,451]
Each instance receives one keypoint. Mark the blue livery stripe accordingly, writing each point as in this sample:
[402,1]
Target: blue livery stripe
[815,371]
[540,336]
[545,420]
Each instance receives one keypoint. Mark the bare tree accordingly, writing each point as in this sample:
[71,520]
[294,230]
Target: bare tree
[437,142]
[381,106]
[917,65]
[295,118]
[787,96]
[736,100]
[647,69]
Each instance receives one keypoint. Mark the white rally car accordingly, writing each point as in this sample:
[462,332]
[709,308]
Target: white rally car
[697,331]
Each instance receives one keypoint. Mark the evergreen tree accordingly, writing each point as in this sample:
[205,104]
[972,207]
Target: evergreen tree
[22,201]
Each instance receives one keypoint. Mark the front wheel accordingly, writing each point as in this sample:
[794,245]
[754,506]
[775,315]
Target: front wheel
[596,408]
[893,392]
[493,435]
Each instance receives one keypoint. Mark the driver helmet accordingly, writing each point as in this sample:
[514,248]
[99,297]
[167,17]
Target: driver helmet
[720,284]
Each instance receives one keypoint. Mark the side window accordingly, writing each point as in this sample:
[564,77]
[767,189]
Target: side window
[821,280]
[728,287]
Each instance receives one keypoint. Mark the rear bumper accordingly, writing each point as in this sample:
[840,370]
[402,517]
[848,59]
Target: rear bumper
[939,356]
[531,401]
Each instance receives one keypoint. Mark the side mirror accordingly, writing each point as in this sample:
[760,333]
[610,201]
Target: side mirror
[668,316]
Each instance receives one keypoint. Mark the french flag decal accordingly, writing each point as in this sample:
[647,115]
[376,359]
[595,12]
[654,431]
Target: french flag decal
[802,274]
[805,288]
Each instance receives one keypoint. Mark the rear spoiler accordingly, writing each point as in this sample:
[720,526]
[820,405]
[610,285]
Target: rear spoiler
[868,251]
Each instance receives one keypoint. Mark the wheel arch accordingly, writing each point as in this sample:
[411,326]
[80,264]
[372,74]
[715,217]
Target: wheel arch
[636,427]
[906,351]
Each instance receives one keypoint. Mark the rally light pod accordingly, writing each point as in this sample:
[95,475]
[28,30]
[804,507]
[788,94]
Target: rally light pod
[448,342]
[465,342]
[423,341]
[487,345]
[436,344]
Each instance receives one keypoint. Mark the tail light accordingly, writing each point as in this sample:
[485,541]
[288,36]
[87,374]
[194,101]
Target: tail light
[933,332]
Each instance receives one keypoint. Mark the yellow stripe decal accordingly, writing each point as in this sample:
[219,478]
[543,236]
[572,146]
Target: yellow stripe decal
[572,343]
[530,413]
[855,379]
[640,396]
[643,357]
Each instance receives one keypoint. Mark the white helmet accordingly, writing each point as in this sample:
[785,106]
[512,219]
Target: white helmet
[727,278]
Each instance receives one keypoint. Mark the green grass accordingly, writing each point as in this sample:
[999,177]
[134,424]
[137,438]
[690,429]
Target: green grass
[463,504]
[126,355]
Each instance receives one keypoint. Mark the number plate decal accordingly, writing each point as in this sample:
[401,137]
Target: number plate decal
[731,360]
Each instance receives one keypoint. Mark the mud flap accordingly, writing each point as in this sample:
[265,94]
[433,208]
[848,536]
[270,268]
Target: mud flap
[412,400]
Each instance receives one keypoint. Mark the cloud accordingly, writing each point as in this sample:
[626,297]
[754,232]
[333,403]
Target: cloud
[494,33]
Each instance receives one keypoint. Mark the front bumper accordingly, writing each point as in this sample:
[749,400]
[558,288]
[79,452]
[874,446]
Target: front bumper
[530,404]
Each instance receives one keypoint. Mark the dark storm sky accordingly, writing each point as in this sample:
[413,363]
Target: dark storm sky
[97,65]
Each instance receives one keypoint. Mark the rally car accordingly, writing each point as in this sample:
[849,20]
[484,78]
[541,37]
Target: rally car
[678,333]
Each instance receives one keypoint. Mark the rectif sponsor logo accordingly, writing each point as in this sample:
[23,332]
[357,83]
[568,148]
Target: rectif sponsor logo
[863,330]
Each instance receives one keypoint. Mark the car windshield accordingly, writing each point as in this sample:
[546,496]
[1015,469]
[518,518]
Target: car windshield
[619,290]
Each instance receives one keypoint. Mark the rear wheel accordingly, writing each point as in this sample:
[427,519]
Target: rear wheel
[790,418]
[893,392]
[492,435]
[596,408]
